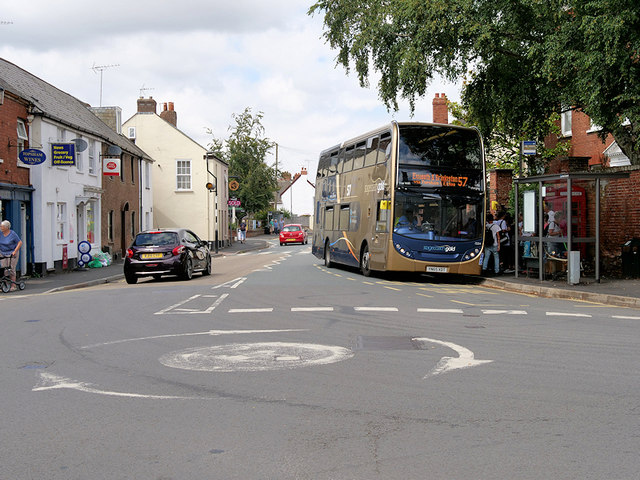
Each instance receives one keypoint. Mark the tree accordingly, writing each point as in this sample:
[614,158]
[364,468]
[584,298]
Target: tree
[245,151]
[521,59]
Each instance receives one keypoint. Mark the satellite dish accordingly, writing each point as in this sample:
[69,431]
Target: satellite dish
[114,150]
[81,145]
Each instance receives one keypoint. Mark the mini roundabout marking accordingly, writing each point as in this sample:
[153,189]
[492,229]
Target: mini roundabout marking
[255,357]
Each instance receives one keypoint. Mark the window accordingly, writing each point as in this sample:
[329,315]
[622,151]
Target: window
[79,158]
[133,223]
[22,136]
[344,217]
[370,157]
[358,155]
[147,175]
[133,169]
[347,165]
[110,225]
[92,157]
[61,134]
[61,221]
[183,174]
[328,218]
[384,148]
[565,121]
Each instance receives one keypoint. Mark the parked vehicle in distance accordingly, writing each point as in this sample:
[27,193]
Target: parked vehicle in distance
[170,251]
[293,233]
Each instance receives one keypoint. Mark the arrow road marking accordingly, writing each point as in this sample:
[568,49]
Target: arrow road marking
[465,358]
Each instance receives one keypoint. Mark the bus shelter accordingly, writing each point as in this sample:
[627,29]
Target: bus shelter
[580,238]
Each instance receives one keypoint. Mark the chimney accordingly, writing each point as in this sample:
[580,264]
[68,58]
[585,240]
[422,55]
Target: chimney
[169,114]
[146,105]
[440,111]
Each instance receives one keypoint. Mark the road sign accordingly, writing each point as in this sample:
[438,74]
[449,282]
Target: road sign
[529,147]
[233,203]
[233,185]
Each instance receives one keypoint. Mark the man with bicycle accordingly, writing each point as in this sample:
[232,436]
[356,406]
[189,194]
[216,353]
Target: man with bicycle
[10,245]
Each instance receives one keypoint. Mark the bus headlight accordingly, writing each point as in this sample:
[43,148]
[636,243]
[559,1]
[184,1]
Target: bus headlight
[471,254]
[403,251]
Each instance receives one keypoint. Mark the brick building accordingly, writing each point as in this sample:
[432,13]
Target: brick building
[15,185]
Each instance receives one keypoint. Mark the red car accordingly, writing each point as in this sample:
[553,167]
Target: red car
[293,233]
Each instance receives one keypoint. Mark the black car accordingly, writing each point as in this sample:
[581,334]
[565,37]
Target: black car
[170,251]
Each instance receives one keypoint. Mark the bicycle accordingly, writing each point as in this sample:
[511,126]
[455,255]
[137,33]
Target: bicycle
[6,281]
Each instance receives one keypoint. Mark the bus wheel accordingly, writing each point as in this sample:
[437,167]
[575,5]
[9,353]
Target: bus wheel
[327,255]
[365,259]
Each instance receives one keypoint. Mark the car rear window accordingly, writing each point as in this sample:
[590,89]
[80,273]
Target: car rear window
[159,238]
[291,229]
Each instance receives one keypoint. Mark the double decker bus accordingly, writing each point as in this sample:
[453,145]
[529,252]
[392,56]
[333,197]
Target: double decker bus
[405,197]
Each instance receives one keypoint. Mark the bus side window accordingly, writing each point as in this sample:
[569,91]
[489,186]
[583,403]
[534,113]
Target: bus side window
[384,150]
[328,219]
[345,210]
[382,218]
[370,156]
[333,164]
[358,155]
[347,166]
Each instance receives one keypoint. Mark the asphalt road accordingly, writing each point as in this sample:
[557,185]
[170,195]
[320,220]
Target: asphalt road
[277,367]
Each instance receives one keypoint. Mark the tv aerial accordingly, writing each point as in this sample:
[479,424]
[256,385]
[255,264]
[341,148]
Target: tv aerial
[144,89]
[102,68]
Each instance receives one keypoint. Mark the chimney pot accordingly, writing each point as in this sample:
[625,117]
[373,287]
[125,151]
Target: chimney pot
[171,106]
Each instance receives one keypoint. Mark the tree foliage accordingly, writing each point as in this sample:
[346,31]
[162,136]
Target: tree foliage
[521,60]
[245,151]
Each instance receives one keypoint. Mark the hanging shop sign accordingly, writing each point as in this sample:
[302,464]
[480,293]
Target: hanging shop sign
[63,154]
[111,166]
[31,156]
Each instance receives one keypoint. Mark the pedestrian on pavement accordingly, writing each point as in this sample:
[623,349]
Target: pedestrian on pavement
[281,224]
[10,245]
[492,245]
[242,231]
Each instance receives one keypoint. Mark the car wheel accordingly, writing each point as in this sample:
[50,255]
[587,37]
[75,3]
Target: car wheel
[207,268]
[365,261]
[187,273]
[327,255]
[131,279]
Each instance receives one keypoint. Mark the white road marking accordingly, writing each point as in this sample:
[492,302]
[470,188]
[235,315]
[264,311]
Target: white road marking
[55,382]
[564,314]
[176,305]
[312,309]
[231,283]
[624,317]
[251,310]
[375,309]
[213,333]
[189,311]
[254,357]
[504,312]
[439,310]
[465,359]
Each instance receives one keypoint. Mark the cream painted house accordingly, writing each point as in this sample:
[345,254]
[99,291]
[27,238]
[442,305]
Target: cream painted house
[181,172]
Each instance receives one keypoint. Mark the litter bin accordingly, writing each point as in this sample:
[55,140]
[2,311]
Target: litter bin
[631,258]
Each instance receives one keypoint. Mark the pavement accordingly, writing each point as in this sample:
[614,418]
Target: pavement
[609,291]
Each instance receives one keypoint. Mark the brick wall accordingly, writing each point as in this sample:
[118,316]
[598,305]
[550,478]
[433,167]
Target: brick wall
[121,196]
[619,216]
[10,111]
[500,184]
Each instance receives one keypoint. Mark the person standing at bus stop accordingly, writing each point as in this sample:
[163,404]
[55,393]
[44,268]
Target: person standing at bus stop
[491,245]
[10,245]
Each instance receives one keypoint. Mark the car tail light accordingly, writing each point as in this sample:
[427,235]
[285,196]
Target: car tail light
[129,253]
[178,250]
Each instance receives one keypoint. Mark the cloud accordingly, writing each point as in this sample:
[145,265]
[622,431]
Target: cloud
[211,59]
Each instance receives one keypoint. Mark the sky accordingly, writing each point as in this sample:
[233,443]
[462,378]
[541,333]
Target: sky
[212,59]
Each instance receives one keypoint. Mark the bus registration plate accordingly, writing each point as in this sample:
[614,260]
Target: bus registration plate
[438,269]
